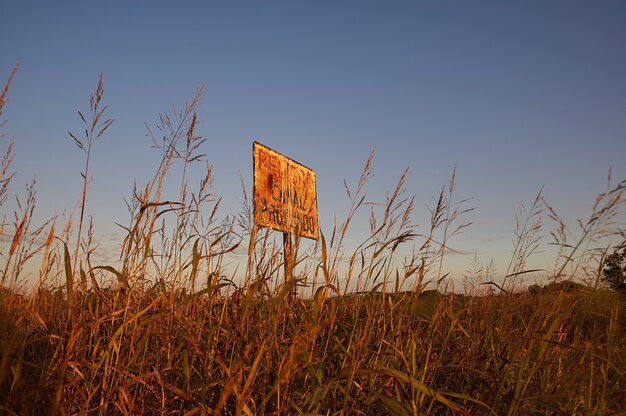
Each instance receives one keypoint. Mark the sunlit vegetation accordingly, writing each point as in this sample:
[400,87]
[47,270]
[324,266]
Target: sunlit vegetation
[369,331]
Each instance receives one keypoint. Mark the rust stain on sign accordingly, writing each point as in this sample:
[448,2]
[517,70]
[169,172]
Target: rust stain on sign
[285,198]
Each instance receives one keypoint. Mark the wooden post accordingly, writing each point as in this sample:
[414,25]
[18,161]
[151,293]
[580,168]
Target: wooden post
[288,261]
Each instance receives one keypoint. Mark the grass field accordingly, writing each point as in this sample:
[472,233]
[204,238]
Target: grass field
[165,331]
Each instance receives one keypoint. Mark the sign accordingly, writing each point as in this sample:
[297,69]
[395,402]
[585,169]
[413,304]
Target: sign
[285,198]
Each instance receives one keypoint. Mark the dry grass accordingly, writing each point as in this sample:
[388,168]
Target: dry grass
[166,332]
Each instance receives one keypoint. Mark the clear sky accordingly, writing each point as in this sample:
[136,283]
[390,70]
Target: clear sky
[517,95]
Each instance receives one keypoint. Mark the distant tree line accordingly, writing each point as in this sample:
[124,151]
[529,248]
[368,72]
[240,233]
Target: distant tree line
[614,271]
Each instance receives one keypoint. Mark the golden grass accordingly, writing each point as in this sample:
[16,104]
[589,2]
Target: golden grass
[166,332]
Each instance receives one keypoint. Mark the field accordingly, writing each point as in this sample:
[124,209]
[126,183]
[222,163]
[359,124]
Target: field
[165,331]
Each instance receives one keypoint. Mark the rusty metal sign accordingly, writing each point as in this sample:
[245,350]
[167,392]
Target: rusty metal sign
[285,198]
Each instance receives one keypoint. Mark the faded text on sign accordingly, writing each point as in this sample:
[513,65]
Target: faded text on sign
[284,193]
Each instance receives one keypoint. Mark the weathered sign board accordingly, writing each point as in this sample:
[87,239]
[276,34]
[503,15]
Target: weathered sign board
[285,197]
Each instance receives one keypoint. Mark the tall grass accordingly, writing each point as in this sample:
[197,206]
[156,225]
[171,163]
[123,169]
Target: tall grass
[168,331]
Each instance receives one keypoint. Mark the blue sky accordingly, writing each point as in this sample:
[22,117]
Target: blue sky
[516,95]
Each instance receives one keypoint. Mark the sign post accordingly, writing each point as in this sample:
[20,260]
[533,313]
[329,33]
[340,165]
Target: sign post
[284,199]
